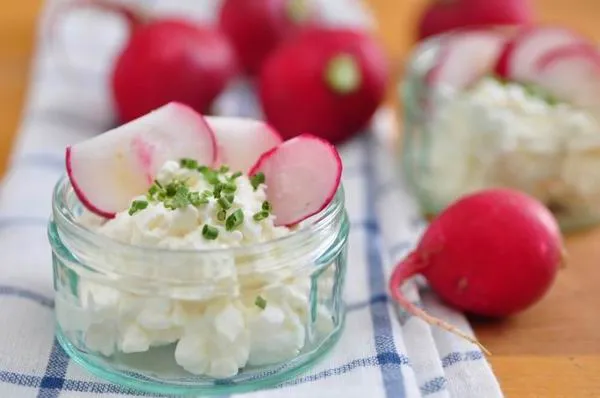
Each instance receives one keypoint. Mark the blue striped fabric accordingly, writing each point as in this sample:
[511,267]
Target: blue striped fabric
[383,353]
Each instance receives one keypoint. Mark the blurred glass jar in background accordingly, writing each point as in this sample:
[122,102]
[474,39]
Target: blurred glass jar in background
[495,133]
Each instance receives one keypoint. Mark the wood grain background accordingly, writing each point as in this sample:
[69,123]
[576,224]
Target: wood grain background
[552,350]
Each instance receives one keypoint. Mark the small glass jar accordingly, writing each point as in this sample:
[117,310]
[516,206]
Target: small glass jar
[172,322]
[452,146]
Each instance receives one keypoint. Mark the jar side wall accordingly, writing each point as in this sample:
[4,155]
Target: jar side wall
[97,322]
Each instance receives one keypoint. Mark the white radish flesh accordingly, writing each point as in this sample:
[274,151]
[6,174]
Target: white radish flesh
[302,177]
[241,141]
[110,169]
[465,57]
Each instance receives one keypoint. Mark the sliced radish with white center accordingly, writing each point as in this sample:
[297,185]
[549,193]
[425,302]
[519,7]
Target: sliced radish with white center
[572,73]
[241,141]
[110,169]
[302,176]
[521,54]
[465,57]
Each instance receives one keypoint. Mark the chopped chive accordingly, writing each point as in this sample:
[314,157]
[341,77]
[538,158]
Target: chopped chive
[224,169]
[221,215]
[171,189]
[260,302]
[224,203]
[230,198]
[202,169]
[158,184]
[188,163]
[266,206]
[137,205]
[212,177]
[234,220]
[217,190]
[257,179]
[209,232]
[236,175]
[196,199]
[229,186]
[261,215]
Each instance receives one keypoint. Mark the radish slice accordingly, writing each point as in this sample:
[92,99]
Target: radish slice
[302,176]
[110,169]
[572,73]
[241,141]
[520,56]
[465,57]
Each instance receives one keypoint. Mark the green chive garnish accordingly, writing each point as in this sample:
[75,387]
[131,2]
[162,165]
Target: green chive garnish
[257,179]
[234,220]
[187,163]
[224,169]
[266,206]
[137,205]
[209,232]
[217,191]
[229,186]
[260,302]
[261,215]
[212,177]
[196,199]
[221,215]
[236,175]
[224,203]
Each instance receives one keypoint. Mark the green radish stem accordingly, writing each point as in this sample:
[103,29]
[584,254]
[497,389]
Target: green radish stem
[342,74]
[406,269]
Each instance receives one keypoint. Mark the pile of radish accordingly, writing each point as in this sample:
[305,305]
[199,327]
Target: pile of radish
[109,170]
[492,253]
[560,61]
[338,83]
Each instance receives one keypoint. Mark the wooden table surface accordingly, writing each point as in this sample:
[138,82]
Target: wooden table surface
[550,351]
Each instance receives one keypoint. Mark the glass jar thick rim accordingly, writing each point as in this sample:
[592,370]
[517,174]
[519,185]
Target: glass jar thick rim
[65,220]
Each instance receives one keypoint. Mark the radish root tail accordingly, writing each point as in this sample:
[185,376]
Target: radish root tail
[406,269]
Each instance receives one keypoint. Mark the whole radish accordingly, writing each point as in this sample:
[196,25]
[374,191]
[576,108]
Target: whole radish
[444,15]
[166,60]
[257,27]
[326,81]
[492,253]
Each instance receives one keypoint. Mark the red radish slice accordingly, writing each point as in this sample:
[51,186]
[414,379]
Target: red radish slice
[572,73]
[519,57]
[241,141]
[110,169]
[465,57]
[302,176]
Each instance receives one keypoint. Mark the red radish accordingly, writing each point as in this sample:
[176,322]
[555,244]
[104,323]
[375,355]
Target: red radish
[521,54]
[492,253]
[466,56]
[572,73]
[444,15]
[257,27]
[302,176]
[241,141]
[111,168]
[166,60]
[326,81]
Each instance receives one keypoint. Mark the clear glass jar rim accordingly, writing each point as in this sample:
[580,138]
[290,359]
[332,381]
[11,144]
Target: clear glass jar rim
[65,219]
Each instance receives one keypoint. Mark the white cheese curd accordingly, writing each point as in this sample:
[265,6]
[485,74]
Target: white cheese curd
[496,134]
[228,328]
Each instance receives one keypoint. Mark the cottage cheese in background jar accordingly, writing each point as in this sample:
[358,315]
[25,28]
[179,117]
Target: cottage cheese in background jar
[195,287]
[518,109]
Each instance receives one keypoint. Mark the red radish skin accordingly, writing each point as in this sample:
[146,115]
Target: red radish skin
[520,56]
[445,15]
[330,89]
[492,253]
[166,60]
[583,51]
[302,176]
[255,28]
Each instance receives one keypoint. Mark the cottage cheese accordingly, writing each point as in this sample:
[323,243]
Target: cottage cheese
[501,135]
[224,331]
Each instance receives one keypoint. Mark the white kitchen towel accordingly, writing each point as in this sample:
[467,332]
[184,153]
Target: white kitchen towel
[383,353]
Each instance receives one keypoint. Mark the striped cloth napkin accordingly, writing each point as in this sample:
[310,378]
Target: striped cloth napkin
[383,352]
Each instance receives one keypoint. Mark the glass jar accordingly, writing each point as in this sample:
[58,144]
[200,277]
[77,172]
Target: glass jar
[495,134]
[174,322]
